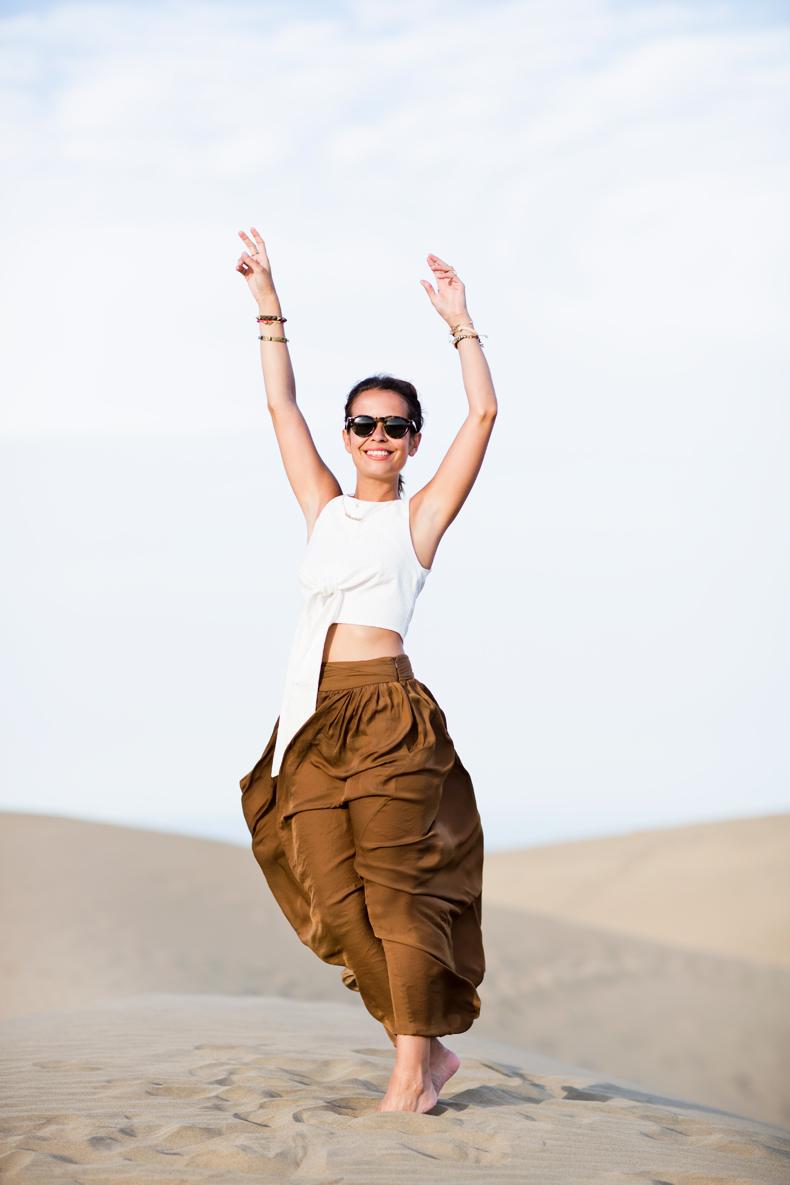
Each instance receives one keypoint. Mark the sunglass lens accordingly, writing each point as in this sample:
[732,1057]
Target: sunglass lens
[396,427]
[363,425]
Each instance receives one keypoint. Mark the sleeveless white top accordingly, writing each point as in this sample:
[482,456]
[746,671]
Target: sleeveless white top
[359,568]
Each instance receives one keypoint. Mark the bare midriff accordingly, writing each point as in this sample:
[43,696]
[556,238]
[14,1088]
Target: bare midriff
[352,643]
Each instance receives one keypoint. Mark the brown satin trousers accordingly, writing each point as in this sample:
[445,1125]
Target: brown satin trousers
[370,840]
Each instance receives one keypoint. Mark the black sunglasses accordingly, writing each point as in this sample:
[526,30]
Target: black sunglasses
[394,426]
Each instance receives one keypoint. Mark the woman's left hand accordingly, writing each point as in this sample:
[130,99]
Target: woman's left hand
[450,300]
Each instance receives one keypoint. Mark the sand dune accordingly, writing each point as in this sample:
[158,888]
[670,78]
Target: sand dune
[721,888]
[185,932]
[163,1089]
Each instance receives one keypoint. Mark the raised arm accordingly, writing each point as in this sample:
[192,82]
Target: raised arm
[311,480]
[438,502]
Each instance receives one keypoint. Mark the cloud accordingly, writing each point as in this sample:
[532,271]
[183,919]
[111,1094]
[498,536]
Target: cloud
[592,163]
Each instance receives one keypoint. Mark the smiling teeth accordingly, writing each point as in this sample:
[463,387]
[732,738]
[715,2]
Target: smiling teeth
[377,452]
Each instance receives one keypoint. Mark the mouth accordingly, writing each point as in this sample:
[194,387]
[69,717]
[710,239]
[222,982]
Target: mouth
[378,454]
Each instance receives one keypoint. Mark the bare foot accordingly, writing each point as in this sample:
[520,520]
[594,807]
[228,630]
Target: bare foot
[444,1063]
[408,1094]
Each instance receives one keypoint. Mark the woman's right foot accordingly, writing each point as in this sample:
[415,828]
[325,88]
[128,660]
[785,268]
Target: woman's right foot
[444,1063]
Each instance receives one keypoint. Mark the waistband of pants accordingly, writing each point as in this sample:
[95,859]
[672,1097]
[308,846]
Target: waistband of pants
[340,673]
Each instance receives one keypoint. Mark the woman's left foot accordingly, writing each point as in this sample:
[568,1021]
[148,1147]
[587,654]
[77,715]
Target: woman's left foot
[444,1063]
[409,1094]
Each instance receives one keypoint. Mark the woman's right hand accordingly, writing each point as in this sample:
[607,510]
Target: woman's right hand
[255,267]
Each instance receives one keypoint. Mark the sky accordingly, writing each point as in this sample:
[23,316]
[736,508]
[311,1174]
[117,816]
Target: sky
[605,626]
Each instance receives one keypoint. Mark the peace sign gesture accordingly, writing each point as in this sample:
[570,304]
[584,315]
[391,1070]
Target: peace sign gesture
[255,267]
[450,300]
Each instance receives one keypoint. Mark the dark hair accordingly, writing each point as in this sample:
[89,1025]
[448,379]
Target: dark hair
[386,382]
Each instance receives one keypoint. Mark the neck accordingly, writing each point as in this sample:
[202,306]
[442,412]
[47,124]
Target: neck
[376,491]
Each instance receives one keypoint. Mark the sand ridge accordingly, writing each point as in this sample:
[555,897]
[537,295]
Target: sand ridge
[162,1089]
[721,888]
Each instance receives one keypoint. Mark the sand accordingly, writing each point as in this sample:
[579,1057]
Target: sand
[163,1023]
[721,888]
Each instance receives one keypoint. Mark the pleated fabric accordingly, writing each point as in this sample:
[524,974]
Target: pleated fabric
[371,842]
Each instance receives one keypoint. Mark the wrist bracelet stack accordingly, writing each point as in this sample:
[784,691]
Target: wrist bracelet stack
[456,334]
[267,317]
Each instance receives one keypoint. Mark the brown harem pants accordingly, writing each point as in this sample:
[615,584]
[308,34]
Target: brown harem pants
[371,842]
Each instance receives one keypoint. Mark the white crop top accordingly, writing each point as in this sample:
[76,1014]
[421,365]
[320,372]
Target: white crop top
[360,568]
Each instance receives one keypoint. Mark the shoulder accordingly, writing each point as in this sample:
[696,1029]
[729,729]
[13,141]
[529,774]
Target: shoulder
[323,512]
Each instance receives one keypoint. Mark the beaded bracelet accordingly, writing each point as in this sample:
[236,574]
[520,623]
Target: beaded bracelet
[269,317]
[463,338]
[456,335]
[459,337]
[262,337]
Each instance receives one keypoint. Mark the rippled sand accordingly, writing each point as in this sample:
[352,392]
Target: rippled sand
[163,1023]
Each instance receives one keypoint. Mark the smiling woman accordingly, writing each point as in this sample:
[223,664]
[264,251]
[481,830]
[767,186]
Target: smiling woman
[403,425]
[362,815]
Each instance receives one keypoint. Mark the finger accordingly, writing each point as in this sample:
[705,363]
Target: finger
[259,241]
[437,260]
[247,240]
[251,263]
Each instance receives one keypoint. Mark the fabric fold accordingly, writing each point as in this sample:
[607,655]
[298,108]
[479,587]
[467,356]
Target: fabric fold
[371,842]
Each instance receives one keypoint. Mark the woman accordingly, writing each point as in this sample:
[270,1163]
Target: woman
[363,818]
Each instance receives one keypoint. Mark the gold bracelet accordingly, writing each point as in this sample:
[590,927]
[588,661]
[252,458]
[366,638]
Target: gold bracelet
[269,317]
[462,325]
[262,337]
[463,336]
